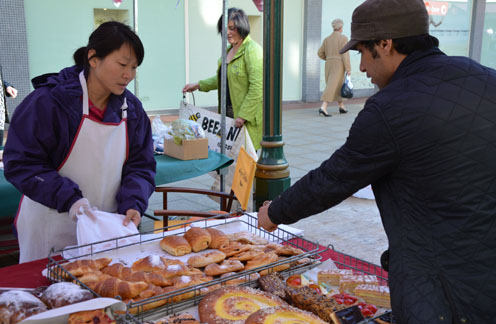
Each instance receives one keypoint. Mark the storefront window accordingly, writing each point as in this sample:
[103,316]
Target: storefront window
[488,57]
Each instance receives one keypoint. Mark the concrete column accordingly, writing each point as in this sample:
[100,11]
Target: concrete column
[312,24]
[477,29]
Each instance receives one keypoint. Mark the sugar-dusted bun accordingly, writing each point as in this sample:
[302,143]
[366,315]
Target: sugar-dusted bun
[219,239]
[198,238]
[203,260]
[215,269]
[64,293]
[175,245]
[16,305]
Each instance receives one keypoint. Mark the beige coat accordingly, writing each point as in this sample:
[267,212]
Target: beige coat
[335,66]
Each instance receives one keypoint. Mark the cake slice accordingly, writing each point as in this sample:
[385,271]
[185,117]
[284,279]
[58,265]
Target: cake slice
[348,283]
[375,295]
[331,277]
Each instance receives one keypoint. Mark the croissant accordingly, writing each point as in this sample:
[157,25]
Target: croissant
[202,260]
[118,270]
[112,287]
[81,267]
[219,239]
[145,294]
[198,238]
[178,270]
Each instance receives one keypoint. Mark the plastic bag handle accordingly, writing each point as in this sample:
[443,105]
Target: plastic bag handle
[192,94]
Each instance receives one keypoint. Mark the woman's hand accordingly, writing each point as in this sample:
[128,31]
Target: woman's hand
[11,91]
[132,215]
[349,73]
[239,122]
[190,87]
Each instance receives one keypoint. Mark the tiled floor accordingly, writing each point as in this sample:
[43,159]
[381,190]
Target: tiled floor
[353,227]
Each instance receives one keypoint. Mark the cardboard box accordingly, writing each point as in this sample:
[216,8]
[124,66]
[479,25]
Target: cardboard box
[189,150]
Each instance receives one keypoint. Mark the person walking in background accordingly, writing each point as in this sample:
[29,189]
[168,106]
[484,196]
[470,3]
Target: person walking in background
[6,89]
[81,141]
[244,76]
[425,142]
[335,66]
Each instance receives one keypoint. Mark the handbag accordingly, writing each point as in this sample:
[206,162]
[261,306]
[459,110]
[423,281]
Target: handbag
[347,87]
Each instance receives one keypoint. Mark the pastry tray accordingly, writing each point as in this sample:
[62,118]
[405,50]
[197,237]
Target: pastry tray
[117,248]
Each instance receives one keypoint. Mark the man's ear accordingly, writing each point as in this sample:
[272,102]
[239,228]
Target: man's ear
[91,57]
[386,46]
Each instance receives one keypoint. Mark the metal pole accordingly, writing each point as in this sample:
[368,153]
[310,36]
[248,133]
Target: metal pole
[223,84]
[135,27]
[272,175]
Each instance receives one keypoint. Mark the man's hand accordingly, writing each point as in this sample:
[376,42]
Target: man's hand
[263,218]
[132,215]
[239,122]
[12,92]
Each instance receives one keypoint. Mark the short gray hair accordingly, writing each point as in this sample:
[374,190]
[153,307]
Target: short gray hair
[337,23]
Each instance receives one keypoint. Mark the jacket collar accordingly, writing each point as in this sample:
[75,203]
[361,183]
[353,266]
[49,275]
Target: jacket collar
[411,60]
[241,49]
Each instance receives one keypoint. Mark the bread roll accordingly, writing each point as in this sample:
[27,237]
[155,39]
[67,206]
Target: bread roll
[219,239]
[198,238]
[64,293]
[202,260]
[175,245]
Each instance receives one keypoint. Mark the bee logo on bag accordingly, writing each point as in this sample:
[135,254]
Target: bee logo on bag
[195,117]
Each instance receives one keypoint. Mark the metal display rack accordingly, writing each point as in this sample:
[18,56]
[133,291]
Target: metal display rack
[56,271]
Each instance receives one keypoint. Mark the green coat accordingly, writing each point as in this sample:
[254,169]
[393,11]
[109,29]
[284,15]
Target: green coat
[245,77]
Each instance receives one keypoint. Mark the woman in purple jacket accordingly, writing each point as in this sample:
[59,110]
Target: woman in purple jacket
[81,141]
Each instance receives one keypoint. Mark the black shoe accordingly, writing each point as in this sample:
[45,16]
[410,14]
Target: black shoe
[342,110]
[324,113]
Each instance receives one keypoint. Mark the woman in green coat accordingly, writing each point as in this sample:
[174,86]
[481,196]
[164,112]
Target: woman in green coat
[244,76]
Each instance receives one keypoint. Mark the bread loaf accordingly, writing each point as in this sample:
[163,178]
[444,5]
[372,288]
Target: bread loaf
[219,239]
[16,305]
[175,245]
[202,260]
[198,238]
[64,293]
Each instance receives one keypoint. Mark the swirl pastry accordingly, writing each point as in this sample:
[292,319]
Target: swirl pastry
[234,304]
[247,238]
[219,239]
[251,277]
[261,260]
[215,269]
[246,255]
[198,238]
[284,249]
[283,315]
[234,248]
[203,260]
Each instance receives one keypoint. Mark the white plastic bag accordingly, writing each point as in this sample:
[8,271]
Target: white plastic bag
[107,226]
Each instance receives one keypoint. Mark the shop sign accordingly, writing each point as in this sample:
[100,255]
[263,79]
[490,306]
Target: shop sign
[437,8]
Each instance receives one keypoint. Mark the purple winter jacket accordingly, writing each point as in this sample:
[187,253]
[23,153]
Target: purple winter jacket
[42,130]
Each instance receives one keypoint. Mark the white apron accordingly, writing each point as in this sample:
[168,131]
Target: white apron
[95,163]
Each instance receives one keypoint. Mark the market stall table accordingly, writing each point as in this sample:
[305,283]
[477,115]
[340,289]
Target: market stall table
[169,170]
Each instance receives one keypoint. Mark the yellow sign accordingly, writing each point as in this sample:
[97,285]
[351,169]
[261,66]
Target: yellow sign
[243,177]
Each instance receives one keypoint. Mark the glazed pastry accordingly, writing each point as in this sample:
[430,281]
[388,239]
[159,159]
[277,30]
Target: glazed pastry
[246,278]
[16,305]
[91,316]
[234,304]
[277,268]
[290,314]
[64,293]
[215,269]
[175,245]
[219,239]
[246,255]
[198,238]
[261,260]
[82,267]
[234,248]
[202,260]
[287,250]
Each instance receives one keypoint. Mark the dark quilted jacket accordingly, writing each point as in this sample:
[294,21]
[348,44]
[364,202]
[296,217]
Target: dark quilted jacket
[427,144]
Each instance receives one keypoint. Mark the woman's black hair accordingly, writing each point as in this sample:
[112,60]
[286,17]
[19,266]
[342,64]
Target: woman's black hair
[240,20]
[405,45]
[109,37]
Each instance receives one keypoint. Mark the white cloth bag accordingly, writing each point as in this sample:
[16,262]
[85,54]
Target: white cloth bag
[106,226]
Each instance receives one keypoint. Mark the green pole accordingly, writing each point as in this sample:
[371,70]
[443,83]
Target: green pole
[272,174]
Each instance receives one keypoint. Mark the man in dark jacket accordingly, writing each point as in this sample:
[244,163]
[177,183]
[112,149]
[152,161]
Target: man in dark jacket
[426,143]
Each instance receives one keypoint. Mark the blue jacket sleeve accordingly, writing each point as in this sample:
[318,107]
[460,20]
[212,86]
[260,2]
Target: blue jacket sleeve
[39,137]
[368,154]
[138,174]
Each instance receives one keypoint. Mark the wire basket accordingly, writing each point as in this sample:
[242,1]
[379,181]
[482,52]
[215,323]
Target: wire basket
[173,302]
